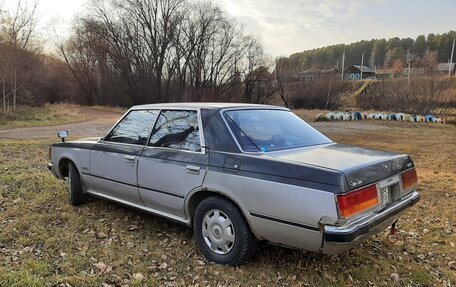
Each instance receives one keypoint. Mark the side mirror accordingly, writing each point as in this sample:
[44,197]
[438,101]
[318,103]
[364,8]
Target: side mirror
[62,135]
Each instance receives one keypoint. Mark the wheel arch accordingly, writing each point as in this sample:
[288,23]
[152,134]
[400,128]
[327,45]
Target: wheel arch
[196,196]
[63,166]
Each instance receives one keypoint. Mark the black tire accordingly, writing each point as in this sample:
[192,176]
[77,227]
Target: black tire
[244,245]
[76,195]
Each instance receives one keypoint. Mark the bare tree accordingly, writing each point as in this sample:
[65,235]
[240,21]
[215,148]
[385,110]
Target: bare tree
[160,50]
[282,74]
[256,73]
[18,51]
[19,28]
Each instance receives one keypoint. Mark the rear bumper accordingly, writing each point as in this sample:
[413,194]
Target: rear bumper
[338,239]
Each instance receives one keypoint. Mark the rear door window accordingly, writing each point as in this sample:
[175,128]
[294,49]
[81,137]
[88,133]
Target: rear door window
[134,128]
[178,130]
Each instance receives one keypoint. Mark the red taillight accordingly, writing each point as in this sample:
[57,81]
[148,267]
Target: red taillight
[357,201]
[409,179]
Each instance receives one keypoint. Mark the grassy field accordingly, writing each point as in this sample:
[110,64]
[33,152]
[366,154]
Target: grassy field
[50,115]
[41,116]
[46,242]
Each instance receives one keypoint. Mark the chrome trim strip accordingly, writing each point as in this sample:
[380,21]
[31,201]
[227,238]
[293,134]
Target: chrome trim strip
[141,207]
[135,185]
[262,216]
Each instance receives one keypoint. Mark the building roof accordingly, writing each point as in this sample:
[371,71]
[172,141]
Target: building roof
[318,71]
[332,70]
[204,105]
[445,66]
[366,69]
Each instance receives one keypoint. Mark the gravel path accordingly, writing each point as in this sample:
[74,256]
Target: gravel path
[100,123]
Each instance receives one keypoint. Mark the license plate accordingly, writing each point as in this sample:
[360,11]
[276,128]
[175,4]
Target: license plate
[385,195]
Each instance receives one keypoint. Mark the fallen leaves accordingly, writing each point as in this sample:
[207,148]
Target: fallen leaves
[395,277]
[138,276]
[101,268]
[452,265]
[105,242]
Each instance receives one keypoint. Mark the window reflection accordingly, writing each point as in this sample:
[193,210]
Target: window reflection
[270,130]
[134,128]
[177,129]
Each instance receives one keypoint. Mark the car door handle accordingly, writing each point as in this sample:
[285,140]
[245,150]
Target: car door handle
[130,159]
[193,169]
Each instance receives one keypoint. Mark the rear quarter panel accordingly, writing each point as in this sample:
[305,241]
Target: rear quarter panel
[281,213]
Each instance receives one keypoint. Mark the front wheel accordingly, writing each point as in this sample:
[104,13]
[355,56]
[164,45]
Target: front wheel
[76,195]
[222,233]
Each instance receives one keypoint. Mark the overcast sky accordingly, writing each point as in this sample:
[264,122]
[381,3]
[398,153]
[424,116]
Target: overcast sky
[289,26]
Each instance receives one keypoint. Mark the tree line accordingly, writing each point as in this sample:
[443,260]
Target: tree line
[130,52]
[378,53]
[133,52]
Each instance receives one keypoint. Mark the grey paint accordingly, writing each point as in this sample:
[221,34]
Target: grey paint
[172,171]
[292,203]
[288,197]
[114,171]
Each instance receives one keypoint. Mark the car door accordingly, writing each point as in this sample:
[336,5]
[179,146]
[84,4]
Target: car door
[114,159]
[173,163]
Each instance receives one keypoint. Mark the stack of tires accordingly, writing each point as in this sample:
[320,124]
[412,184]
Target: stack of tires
[357,116]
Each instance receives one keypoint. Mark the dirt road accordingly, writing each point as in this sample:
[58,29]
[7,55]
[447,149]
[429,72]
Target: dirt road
[102,121]
[98,125]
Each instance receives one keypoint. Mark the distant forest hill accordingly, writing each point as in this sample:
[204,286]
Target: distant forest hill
[379,53]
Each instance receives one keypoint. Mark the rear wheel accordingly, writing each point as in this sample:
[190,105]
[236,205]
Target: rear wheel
[222,233]
[76,195]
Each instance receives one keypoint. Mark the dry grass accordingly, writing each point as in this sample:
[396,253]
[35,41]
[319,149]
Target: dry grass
[46,242]
[117,110]
[41,116]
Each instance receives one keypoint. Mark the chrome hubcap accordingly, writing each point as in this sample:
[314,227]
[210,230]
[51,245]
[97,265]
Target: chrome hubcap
[218,231]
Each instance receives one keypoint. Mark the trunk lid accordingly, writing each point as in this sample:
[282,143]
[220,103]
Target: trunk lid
[360,166]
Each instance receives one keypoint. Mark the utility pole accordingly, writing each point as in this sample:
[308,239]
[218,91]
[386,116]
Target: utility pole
[15,89]
[343,64]
[275,70]
[408,74]
[451,59]
[362,63]
[4,96]
[409,59]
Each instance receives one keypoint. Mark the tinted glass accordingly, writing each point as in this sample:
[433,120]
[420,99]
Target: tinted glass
[134,128]
[177,129]
[269,130]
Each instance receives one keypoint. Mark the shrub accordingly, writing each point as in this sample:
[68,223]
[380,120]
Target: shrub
[423,95]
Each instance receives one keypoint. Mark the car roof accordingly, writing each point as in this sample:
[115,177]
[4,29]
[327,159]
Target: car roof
[204,105]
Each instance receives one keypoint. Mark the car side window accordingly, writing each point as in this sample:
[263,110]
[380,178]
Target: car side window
[177,129]
[134,128]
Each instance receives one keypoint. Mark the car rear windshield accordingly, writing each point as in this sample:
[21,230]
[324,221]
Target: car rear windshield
[271,130]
